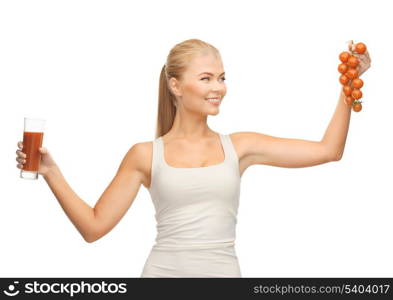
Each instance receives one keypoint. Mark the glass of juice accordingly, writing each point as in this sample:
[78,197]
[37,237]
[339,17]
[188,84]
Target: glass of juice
[32,140]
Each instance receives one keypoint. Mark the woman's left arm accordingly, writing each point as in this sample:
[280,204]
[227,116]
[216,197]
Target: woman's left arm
[258,148]
[336,133]
[337,130]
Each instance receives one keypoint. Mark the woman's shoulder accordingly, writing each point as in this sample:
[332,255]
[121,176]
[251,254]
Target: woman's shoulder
[240,142]
[144,154]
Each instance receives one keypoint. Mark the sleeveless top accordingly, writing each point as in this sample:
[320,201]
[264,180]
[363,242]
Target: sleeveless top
[196,208]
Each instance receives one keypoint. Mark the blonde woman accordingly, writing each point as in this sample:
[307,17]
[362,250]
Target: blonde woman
[192,173]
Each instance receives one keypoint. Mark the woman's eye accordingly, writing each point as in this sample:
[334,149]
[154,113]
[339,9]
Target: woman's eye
[223,78]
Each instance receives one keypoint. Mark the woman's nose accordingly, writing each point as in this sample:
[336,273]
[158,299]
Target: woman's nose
[218,87]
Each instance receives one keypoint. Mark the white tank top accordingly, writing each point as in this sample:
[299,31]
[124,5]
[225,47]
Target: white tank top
[196,208]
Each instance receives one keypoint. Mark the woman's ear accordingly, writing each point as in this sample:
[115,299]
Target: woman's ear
[175,86]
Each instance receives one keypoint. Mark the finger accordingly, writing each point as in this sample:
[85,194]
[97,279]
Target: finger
[19,166]
[20,153]
[350,45]
[363,59]
[43,150]
[21,160]
[367,55]
[20,144]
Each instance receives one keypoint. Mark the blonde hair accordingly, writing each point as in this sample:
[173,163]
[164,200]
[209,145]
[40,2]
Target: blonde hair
[176,64]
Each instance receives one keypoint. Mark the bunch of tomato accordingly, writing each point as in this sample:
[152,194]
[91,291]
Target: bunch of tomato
[349,78]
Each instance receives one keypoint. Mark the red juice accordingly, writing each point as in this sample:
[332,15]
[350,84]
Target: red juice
[32,141]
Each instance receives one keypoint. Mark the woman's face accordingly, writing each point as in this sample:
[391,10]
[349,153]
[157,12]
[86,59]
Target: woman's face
[203,79]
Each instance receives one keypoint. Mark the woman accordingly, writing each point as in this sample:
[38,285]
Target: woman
[193,173]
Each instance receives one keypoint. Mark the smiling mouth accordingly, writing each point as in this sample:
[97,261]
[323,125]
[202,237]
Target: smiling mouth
[214,100]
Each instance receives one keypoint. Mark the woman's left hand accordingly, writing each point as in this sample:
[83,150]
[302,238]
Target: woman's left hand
[365,60]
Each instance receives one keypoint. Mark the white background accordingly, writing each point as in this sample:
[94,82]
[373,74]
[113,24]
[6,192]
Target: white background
[91,69]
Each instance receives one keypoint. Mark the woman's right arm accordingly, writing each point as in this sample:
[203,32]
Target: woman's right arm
[78,211]
[93,223]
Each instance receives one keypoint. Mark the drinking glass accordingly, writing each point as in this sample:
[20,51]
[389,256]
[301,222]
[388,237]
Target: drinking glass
[32,140]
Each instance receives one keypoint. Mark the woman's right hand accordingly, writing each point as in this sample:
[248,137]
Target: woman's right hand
[46,164]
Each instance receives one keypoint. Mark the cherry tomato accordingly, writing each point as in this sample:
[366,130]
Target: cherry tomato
[343,79]
[356,94]
[360,48]
[352,73]
[357,106]
[353,61]
[357,83]
[342,68]
[344,56]
[347,90]
[349,100]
